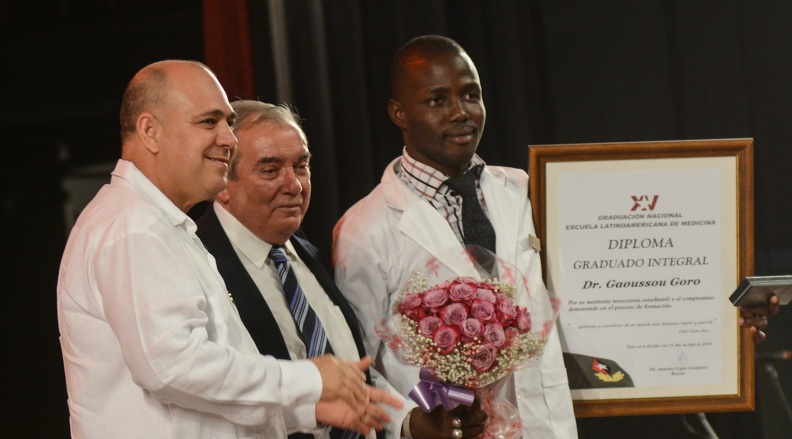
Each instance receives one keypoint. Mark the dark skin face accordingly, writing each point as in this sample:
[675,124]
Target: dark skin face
[438,105]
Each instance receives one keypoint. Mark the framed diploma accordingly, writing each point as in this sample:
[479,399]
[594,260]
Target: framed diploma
[644,243]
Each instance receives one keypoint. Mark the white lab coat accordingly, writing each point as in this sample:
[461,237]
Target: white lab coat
[382,237]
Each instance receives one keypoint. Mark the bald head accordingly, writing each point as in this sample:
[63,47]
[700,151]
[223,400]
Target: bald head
[147,91]
[176,129]
[417,51]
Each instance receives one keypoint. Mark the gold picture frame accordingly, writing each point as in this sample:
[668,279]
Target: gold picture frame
[622,260]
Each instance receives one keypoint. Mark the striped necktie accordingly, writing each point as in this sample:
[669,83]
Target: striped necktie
[313,335]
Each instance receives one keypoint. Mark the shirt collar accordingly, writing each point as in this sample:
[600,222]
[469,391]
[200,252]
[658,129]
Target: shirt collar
[428,180]
[246,242]
[128,172]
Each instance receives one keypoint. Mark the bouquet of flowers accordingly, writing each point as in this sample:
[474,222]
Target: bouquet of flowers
[468,332]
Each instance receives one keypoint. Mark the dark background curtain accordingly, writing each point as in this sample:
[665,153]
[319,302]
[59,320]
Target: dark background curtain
[552,72]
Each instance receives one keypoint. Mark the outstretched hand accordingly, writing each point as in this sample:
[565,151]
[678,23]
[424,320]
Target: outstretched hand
[755,317]
[343,380]
[366,417]
[439,423]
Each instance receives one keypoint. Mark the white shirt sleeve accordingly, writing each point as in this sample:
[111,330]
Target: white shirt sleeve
[159,309]
[304,379]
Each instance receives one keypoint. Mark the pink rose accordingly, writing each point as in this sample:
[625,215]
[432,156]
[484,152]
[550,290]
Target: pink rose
[435,298]
[470,329]
[494,334]
[507,310]
[483,310]
[412,307]
[416,314]
[428,325]
[485,358]
[442,285]
[453,314]
[486,294]
[461,291]
[523,320]
[446,338]
[410,301]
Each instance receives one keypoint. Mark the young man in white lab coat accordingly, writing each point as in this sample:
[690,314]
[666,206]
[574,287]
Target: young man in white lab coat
[412,216]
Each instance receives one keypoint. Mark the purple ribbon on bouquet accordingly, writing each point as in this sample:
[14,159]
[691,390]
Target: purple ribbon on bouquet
[429,393]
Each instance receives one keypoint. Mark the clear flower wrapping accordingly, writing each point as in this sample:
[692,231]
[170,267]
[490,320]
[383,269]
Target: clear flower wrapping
[471,329]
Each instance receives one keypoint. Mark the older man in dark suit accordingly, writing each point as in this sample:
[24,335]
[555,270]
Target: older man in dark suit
[286,299]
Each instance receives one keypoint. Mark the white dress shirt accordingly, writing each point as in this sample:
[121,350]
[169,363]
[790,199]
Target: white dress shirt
[152,346]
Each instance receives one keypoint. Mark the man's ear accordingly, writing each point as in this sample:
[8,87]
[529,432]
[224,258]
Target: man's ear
[396,114]
[149,130]
[224,197]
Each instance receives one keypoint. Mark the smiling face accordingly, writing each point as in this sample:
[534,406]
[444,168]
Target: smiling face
[437,103]
[195,141]
[271,185]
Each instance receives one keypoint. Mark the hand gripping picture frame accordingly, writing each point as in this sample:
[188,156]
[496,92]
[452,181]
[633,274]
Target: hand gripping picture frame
[644,242]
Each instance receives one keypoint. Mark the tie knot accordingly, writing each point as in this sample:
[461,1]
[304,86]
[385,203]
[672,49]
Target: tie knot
[278,254]
[464,185]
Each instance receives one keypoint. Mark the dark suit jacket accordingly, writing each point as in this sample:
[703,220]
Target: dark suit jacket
[253,309]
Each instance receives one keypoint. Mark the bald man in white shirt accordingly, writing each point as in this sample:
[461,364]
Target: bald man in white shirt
[152,344]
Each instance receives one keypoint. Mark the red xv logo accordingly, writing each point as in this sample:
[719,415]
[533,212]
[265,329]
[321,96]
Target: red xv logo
[642,202]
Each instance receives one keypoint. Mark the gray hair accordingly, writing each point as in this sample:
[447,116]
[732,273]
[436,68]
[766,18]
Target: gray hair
[251,113]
